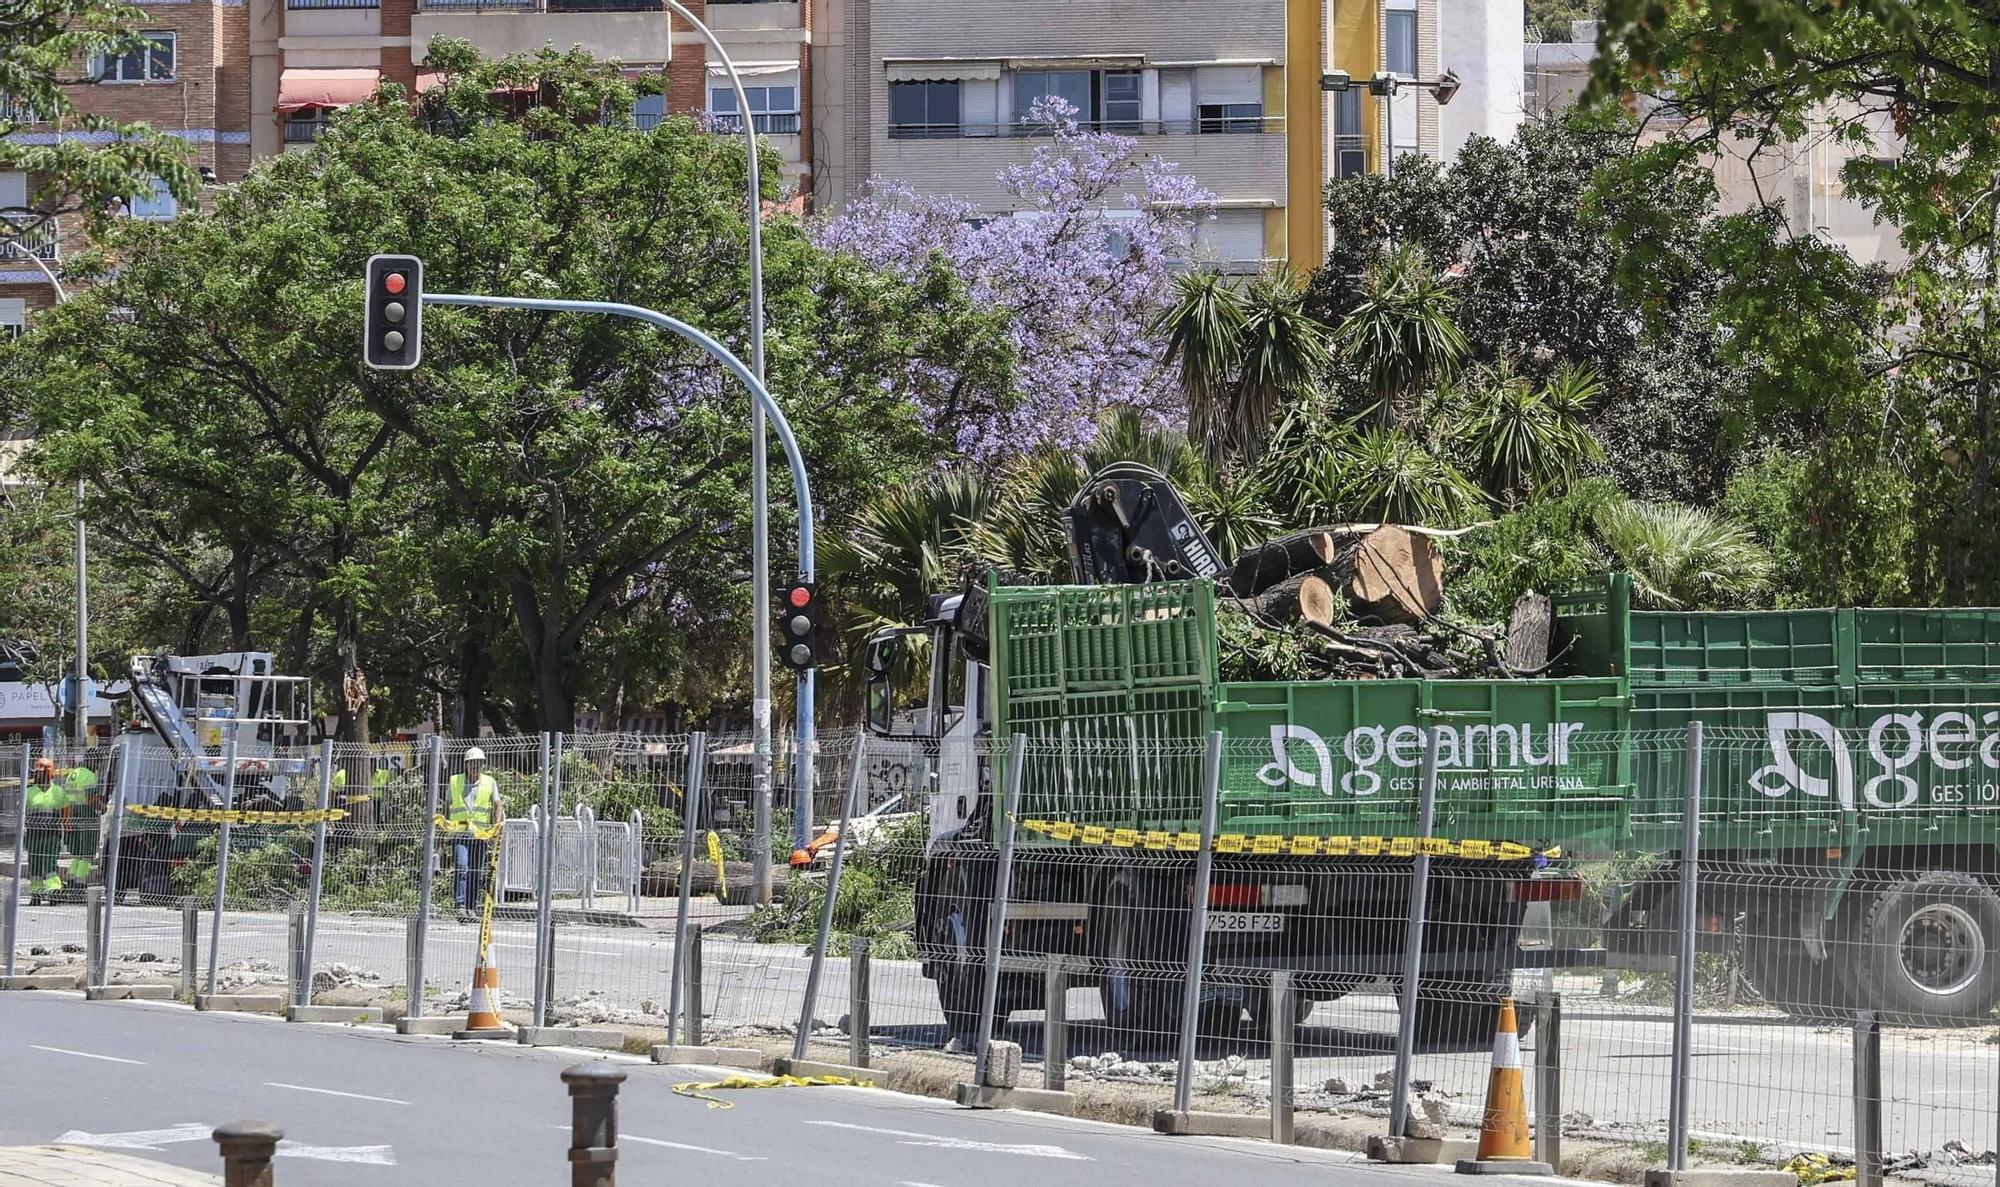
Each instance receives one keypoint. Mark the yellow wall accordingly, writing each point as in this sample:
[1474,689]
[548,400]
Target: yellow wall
[1305,139]
[1357,49]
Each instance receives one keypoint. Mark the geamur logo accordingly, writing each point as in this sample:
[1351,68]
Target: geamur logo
[1896,742]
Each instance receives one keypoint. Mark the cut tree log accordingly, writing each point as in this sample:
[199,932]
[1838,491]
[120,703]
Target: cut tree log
[1530,630]
[1302,595]
[1258,569]
[1398,576]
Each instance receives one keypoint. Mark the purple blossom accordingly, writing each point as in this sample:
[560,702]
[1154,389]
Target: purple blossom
[1080,275]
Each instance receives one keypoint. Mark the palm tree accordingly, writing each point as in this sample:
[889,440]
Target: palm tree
[1284,349]
[910,542]
[1204,332]
[1526,441]
[1385,475]
[1402,333]
[1683,557]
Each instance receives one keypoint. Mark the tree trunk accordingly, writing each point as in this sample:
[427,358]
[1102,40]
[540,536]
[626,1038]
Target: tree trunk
[474,666]
[1258,569]
[1398,576]
[1306,595]
[1530,631]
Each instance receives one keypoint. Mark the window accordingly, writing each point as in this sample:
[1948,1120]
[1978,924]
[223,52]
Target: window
[158,203]
[1399,36]
[773,109]
[13,317]
[1350,156]
[1107,100]
[920,110]
[304,125]
[648,111]
[1231,117]
[153,61]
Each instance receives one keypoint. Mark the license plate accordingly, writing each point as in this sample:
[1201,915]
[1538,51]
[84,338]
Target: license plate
[1244,921]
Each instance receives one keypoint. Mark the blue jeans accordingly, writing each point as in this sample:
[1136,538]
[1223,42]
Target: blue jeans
[468,883]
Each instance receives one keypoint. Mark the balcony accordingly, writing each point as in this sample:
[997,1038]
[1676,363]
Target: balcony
[301,5]
[41,243]
[630,30]
[304,131]
[777,123]
[14,111]
[1226,126]
[1236,168]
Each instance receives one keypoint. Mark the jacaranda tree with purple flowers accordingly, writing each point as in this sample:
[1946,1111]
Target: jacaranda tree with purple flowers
[1080,272]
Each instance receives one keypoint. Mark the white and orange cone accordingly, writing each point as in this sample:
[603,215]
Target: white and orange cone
[1505,1145]
[482,1016]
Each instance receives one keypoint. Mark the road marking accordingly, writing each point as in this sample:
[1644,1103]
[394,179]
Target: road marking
[88,1055]
[369,1155]
[387,1100]
[633,1137]
[931,1139]
[137,1139]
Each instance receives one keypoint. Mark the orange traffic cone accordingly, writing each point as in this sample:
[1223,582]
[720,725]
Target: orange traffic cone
[1504,1143]
[482,1016]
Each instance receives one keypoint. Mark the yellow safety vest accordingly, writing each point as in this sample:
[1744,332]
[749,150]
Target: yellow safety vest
[479,812]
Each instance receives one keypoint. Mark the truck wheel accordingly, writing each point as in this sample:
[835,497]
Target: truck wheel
[1141,1006]
[1778,967]
[1931,950]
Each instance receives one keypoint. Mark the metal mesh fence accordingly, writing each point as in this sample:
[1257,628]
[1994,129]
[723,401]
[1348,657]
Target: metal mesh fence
[1830,880]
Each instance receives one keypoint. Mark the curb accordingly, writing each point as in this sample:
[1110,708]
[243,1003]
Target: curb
[570,1036]
[742,1057]
[1211,1125]
[240,1003]
[441,1025]
[130,993]
[334,1014]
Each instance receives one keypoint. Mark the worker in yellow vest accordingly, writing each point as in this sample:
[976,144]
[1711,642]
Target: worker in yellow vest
[62,805]
[473,801]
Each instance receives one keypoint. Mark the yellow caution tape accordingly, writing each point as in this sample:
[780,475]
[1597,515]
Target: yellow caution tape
[1284,844]
[699,1089]
[1818,1168]
[234,815]
[455,826]
[715,855]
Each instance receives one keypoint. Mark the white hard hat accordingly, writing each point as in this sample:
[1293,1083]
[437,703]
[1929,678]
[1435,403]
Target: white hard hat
[474,754]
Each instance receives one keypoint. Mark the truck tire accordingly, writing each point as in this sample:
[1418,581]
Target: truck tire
[1930,950]
[1784,974]
[1141,1005]
[1458,1019]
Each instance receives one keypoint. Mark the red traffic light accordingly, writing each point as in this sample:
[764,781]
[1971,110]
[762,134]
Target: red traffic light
[394,283]
[799,596]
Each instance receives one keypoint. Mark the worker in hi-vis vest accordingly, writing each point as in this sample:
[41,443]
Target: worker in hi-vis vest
[61,805]
[472,800]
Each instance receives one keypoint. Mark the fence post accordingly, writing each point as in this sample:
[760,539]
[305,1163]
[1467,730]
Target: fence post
[190,944]
[128,765]
[1677,1116]
[857,1002]
[1055,1024]
[413,966]
[691,993]
[586,827]
[1413,938]
[222,859]
[544,878]
[297,972]
[1867,1099]
[13,920]
[1284,1029]
[247,1150]
[318,883]
[593,1132]
[635,862]
[1548,1081]
[421,933]
[690,820]
[824,934]
[996,915]
[93,935]
[1197,945]
[548,985]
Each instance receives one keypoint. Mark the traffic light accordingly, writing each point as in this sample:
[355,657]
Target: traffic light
[393,334]
[798,625]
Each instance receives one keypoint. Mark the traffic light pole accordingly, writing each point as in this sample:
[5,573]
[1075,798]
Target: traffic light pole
[764,403]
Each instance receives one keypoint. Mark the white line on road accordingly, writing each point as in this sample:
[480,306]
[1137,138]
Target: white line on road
[931,1139]
[369,1155]
[88,1055]
[387,1100]
[633,1137]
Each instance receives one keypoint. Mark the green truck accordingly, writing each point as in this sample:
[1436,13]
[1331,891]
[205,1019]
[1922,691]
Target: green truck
[1850,803]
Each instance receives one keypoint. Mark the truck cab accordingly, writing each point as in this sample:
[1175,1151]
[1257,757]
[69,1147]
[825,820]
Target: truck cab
[926,689]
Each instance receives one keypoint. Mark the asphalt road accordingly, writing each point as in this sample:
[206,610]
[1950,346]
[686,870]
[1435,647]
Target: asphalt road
[1759,1079]
[369,1108]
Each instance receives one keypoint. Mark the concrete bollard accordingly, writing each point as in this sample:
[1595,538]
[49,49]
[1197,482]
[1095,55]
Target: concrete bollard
[247,1150]
[190,944]
[593,1139]
[1283,1016]
[93,935]
[691,991]
[857,1002]
[1548,1081]
[1055,1026]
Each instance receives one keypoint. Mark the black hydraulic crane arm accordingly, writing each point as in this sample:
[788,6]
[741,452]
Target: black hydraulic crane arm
[1128,525]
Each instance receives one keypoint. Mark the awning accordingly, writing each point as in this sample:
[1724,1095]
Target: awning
[754,69]
[1081,62]
[299,89]
[946,70]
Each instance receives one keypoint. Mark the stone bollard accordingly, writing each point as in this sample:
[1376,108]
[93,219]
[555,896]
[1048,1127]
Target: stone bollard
[247,1150]
[593,1138]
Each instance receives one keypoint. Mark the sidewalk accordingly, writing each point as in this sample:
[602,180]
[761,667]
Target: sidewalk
[82,1166]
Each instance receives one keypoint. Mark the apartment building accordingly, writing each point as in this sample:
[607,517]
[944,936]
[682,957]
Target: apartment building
[188,80]
[1803,175]
[1231,94]
[311,57]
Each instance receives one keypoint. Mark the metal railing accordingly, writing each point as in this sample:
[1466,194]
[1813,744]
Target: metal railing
[476,5]
[307,131]
[301,4]
[776,123]
[604,6]
[1229,126]
[41,243]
